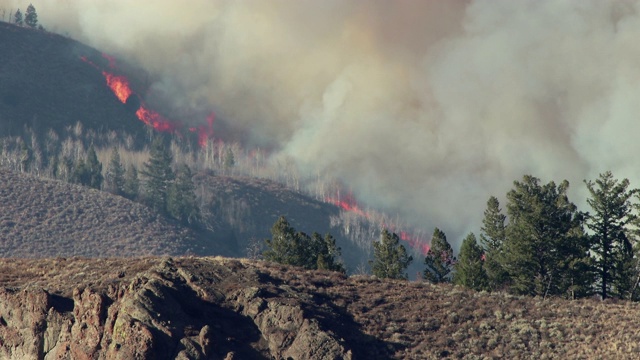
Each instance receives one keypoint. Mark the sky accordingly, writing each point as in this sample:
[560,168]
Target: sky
[424,108]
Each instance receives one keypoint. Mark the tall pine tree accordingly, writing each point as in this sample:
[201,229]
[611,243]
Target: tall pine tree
[31,17]
[158,175]
[114,178]
[609,222]
[492,238]
[439,259]
[545,240]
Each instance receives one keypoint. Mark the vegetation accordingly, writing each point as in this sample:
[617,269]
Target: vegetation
[115,176]
[181,199]
[469,269]
[390,259]
[158,174]
[289,247]
[31,17]
[439,260]
[18,18]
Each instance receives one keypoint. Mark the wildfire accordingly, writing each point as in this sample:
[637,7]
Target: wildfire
[120,87]
[349,203]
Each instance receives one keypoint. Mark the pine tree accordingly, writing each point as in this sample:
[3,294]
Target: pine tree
[31,17]
[492,238]
[612,206]
[229,159]
[17,18]
[439,259]
[283,247]
[114,178]
[158,174]
[545,240]
[181,200]
[131,183]
[325,253]
[390,259]
[94,168]
[469,270]
[289,247]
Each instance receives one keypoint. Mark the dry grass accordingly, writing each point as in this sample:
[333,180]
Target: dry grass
[378,319]
[48,218]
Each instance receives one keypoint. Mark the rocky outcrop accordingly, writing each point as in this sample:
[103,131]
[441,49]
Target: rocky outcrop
[208,309]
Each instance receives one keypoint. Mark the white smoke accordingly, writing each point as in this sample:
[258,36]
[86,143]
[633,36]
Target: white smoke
[422,107]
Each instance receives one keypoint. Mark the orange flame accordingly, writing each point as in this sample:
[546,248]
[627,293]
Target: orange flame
[119,85]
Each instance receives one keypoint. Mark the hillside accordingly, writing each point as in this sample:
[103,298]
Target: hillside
[45,218]
[217,308]
[45,84]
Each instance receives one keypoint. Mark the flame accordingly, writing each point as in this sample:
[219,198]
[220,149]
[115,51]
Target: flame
[120,87]
[349,203]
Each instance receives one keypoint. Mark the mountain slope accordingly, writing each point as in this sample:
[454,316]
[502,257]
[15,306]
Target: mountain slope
[45,84]
[216,308]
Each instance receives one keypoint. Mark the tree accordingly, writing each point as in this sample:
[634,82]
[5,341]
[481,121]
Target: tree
[469,269]
[545,247]
[492,238]
[439,259]
[390,259]
[114,178]
[325,252]
[289,247]
[131,187]
[181,200]
[31,17]
[94,168]
[17,18]
[158,174]
[611,203]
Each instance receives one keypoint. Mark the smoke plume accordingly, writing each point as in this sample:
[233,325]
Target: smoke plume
[422,107]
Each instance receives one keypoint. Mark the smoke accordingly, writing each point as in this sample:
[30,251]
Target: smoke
[422,107]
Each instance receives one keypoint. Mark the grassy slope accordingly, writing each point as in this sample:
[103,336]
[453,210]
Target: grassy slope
[40,218]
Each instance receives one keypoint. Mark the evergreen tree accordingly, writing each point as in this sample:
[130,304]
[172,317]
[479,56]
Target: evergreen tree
[439,259]
[158,174]
[114,178]
[94,169]
[390,259]
[17,18]
[181,200]
[324,253]
[31,17]
[613,255]
[492,238]
[545,246]
[289,247]
[469,270]
[131,183]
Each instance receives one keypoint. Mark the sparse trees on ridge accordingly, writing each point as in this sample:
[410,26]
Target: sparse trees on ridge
[286,246]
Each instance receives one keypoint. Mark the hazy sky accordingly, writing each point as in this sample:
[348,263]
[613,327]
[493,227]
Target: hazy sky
[425,107]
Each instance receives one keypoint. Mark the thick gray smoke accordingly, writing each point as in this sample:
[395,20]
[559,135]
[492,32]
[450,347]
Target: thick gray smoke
[424,107]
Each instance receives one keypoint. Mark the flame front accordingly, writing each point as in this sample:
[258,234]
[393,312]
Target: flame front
[348,203]
[120,87]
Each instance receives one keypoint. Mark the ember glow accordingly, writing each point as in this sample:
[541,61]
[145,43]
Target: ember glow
[348,203]
[119,85]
